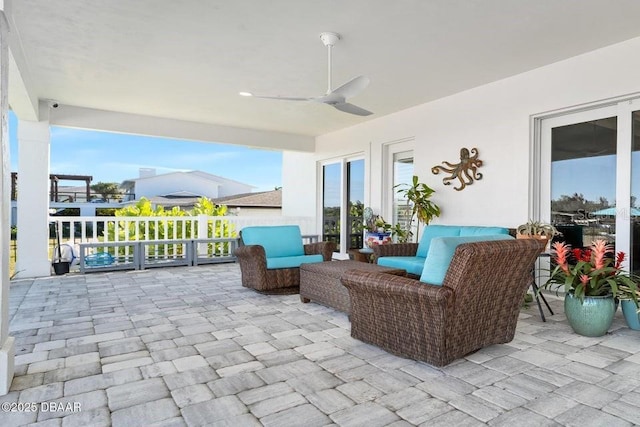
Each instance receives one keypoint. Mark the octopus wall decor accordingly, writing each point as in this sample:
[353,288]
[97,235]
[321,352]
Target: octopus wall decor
[466,171]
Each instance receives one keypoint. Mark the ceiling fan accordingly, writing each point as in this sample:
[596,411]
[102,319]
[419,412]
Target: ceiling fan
[337,98]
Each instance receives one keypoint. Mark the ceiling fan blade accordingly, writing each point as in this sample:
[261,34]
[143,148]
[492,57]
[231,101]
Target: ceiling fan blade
[352,87]
[352,109]
[337,97]
[284,98]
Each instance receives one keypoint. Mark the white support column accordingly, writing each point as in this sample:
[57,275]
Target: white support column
[32,259]
[7,350]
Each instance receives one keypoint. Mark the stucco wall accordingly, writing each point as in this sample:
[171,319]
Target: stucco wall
[495,118]
[299,190]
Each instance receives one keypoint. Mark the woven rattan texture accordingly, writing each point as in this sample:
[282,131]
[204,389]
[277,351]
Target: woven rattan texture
[477,305]
[320,282]
[395,249]
[255,275]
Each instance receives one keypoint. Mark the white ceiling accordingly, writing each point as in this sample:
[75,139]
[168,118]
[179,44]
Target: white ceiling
[188,59]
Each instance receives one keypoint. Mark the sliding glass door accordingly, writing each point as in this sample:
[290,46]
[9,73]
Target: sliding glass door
[343,203]
[331,202]
[634,208]
[590,177]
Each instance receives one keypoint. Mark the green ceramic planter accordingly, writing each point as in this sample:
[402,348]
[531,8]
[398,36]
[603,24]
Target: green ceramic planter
[630,314]
[591,319]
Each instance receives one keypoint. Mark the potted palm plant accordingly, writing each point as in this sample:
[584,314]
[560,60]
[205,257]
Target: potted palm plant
[418,197]
[590,284]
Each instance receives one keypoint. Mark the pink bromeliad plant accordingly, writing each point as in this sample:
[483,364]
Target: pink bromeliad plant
[593,272]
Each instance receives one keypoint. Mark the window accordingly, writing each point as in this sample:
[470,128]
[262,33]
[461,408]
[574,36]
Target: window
[355,198]
[398,170]
[402,174]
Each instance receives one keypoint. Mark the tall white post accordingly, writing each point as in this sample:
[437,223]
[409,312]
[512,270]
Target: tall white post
[7,350]
[32,259]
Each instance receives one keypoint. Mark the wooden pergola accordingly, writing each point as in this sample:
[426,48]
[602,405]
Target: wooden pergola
[54,180]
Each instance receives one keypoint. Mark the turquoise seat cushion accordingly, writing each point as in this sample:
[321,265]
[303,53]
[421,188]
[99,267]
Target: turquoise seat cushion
[441,252]
[277,241]
[292,261]
[432,231]
[482,231]
[412,264]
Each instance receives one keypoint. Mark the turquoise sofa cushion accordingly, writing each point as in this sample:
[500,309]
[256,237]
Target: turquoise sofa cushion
[441,252]
[277,241]
[432,231]
[482,231]
[292,261]
[412,264]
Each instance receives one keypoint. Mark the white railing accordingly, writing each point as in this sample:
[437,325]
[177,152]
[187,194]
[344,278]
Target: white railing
[95,234]
[87,229]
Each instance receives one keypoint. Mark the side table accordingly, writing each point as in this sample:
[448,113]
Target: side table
[536,290]
[320,281]
[362,255]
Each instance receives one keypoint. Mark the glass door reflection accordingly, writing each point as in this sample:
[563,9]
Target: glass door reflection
[634,214]
[583,181]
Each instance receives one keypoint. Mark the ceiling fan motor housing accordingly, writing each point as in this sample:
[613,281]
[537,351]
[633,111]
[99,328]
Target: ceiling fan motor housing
[329,39]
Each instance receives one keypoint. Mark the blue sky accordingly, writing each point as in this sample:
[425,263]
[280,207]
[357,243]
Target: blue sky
[111,157]
[592,176]
[332,184]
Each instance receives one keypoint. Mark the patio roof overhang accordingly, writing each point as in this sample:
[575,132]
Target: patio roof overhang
[179,66]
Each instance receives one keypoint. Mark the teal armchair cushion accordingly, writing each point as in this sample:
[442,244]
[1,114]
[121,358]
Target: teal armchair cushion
[441,252]
[412,264]
[277,241]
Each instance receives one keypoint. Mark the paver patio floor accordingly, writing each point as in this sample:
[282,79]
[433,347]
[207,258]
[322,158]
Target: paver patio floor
[191,346]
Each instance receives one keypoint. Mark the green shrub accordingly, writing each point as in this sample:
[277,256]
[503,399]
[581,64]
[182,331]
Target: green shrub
[168,230]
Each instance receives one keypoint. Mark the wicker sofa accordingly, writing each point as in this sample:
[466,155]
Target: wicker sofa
[476,306]
[411,256]
[270,257]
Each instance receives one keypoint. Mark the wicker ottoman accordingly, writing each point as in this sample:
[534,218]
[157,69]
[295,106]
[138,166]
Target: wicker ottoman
[320,282]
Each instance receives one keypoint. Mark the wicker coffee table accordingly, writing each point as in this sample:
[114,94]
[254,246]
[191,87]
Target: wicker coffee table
[320,282]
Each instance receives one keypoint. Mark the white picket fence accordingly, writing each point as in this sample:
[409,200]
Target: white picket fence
[124,237]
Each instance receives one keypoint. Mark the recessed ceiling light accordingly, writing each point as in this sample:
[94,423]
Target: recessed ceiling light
[245,94]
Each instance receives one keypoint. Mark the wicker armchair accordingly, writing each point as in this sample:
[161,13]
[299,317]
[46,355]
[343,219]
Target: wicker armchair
[477,305]
[256,275]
